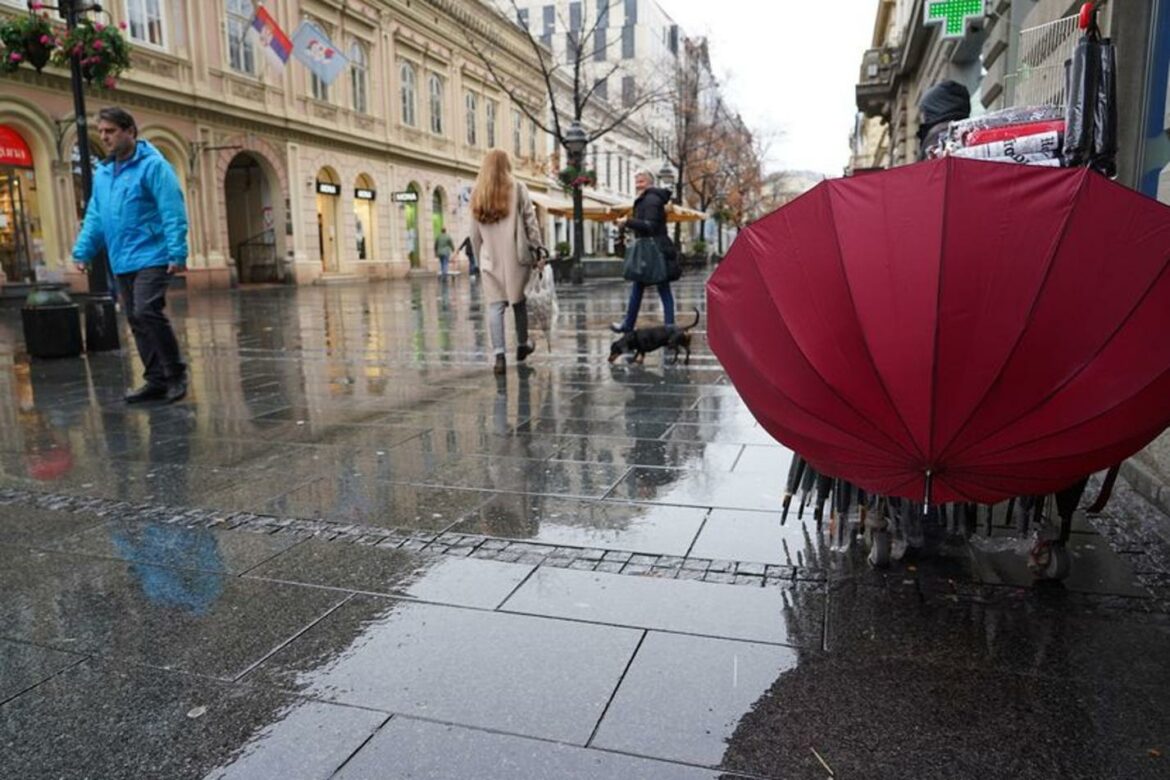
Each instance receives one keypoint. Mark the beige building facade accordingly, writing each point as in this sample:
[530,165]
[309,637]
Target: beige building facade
[286,179]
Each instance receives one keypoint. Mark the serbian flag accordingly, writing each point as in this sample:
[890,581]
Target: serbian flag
[313,48]
[275,44]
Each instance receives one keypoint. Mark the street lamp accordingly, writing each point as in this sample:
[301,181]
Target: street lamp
[575,141]
[101,323]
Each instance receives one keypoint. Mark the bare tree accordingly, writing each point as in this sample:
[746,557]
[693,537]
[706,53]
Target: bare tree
[570,87]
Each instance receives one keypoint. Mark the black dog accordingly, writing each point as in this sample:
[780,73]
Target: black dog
[639,342]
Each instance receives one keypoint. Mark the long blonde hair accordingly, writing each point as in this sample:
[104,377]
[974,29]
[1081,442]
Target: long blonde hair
[491,200]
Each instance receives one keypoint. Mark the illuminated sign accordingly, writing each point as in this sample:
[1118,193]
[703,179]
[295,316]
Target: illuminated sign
[326,188]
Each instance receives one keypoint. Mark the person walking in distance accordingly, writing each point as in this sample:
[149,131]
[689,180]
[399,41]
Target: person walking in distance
[647,221]
[466,248]
[503,230]
[136,213]
[444,248]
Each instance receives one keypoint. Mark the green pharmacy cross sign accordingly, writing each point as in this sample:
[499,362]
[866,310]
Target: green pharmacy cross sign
[954,13]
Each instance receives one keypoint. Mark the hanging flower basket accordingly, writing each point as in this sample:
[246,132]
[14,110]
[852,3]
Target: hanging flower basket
[27,40]
[103,51]
[572,178]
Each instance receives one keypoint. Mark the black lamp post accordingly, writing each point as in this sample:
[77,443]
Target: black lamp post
[666,179]
[575,141]
[101,324]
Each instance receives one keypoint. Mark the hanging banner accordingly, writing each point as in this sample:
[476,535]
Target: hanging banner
[270,38]
[313,48]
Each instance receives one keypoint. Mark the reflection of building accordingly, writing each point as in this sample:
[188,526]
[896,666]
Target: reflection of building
[286,178]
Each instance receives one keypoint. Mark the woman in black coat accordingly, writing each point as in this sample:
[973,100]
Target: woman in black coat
[648,221]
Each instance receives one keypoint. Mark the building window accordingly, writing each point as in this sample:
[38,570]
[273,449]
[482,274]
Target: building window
[600,44]
[550,25]
[628,42]
[406,76]
[631,12]
[469,103]
[628,91]
[601,89]
[608,168]
[522,17]
[603,14]
[144,19]
[516,131]
[318,87]
[435,93]
[575,16]
[359,78]
[490,113]
[241,52]
[532,139]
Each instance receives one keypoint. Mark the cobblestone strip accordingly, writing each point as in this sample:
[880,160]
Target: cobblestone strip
[457,544]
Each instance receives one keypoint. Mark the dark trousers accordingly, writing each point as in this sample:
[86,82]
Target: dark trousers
[144,297]
[635,304]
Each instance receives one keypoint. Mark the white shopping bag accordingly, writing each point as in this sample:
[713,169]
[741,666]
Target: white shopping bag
[541,295]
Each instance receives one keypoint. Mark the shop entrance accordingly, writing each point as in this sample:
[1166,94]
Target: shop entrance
[21,242]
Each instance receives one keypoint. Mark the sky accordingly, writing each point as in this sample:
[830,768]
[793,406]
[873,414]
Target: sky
[789,67]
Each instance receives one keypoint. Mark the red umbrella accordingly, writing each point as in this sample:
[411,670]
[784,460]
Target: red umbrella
[955,330]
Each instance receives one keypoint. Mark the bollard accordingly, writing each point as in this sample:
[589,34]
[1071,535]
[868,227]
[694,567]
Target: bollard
[52,323]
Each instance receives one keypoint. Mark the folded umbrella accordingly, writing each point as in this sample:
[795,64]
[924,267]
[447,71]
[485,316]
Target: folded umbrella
[954,330]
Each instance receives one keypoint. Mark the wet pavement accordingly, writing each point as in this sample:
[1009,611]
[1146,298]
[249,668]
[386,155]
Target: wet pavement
[354,553]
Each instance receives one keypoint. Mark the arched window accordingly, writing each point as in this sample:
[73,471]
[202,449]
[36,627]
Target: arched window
[435,90]
[472,134]
[359,77]
[406,76]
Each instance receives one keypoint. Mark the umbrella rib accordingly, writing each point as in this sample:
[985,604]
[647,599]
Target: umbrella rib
[868,352]
[1085,421]
[942,255]
[944,453]
[1084,365]
[831,389]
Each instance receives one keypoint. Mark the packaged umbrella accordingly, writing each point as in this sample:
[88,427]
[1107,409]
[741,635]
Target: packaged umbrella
[1104,157]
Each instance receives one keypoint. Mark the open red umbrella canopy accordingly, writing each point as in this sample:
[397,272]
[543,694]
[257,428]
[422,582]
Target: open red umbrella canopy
[956,330]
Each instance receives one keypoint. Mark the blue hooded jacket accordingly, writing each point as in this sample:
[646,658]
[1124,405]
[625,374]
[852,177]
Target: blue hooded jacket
[136,213]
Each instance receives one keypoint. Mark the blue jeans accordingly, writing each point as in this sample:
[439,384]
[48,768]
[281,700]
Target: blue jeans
[636,303]
[444,262]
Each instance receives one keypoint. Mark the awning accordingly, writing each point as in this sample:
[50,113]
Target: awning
[550,201]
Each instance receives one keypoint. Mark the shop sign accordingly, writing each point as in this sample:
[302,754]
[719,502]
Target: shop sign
[363,194]
[410,196]
[14,151]
[327,188]
[953,14]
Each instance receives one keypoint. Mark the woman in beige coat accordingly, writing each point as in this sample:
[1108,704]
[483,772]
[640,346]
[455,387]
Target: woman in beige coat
[503,228]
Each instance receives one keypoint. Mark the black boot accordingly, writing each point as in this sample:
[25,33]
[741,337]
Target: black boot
[148,392]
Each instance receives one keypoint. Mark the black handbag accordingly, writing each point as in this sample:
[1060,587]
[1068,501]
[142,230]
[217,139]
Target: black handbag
[670,256]
[644,262]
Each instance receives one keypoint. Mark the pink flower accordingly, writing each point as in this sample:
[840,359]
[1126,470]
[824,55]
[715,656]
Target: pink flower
[77,50]
[15,56]
[98,46]
[121,25]
[46,40]
[98,26]
[36,6]
[110,82]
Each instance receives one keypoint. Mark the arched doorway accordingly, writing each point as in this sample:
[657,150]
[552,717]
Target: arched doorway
[364,214]
[328,193]
[410,212]
[251,223]
[21,242]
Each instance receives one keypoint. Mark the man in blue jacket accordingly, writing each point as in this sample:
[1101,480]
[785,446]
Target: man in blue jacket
[136,213]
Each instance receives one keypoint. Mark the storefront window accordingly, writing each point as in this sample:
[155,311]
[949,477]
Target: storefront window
[21,238]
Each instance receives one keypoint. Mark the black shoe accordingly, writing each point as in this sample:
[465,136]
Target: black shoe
[523,351]
[176,390]
[618,327]
[145,393]
[500,367]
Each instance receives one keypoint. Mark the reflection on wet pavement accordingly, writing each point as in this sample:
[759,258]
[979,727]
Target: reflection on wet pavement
[355,553]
